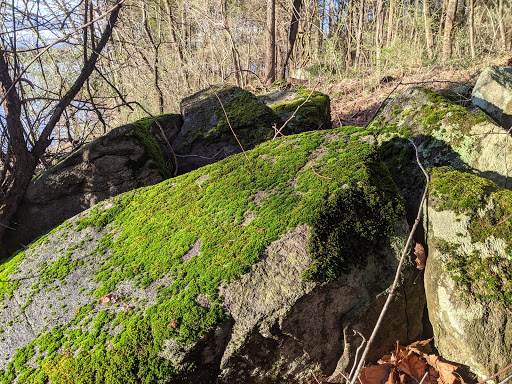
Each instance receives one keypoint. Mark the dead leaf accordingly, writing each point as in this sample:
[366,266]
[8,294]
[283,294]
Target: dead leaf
[111,297]
[421,347]
[421,257]
[376,374]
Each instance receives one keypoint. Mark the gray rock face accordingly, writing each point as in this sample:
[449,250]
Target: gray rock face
[493,93]
[122,160]
[467,279]
[206,136]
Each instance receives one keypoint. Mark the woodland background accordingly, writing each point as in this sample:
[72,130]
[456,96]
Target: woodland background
[72,70]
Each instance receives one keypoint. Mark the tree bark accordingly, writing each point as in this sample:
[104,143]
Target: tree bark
[292,35]
[428,29]
[359,36]
[390,22]
[270,46]
[472,28]
[451,10]
[503,35]
[379,28]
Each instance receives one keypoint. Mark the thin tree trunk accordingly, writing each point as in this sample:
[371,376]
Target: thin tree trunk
[451,10]
[14,185]
[292,35]
[390,22]
[503,35]
[379,28]
[472,27]
[428,28]
[270,46]
[359,35]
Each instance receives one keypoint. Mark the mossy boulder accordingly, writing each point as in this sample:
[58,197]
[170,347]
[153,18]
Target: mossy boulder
[447,134]
[315,114]
[493,93]
[468,278]
[126,158]
[247,270]
[207,136]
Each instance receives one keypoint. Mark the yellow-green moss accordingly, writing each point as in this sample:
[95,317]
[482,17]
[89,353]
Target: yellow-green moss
[347,198]
[313,115]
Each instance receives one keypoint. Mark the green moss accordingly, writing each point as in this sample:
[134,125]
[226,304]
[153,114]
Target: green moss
[7,268]
[150,144]
[458,191]
[311,116]
[348,197]
[490,211]
[251,119]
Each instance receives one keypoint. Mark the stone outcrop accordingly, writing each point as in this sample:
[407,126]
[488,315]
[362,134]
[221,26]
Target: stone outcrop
[468,279]
[312,115]
[126,158]
[493,93]
[245,271]
[207,137]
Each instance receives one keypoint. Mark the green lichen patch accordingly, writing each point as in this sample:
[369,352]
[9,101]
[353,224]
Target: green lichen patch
[8,267]
[487,275]
[485,278]
[420,111]
[332,181]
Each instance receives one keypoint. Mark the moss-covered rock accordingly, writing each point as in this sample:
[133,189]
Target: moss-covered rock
[493,93]
[207,136]
[468,278]
[271,257]
[447,134]
[126,158]
[313,115]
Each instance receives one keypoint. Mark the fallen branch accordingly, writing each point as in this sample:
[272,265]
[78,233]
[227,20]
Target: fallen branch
[397,275]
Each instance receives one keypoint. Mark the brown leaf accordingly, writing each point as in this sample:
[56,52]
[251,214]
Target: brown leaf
[421,257]
[414,366]
[422,347]
[376,374]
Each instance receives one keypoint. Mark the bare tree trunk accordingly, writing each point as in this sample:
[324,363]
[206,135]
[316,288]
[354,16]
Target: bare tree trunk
[379,28]
[390,22]
[428,28]
[472,27]
[292,35]
[270,47]
[503,35]
[451,10]
[359,35]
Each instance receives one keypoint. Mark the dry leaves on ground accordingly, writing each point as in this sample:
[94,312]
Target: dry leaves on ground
[421,257]
[409,365]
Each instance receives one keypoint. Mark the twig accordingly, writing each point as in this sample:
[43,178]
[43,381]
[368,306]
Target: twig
[296,110]
[314,376]
[496,374]
[319,175]
[424,377]
[357,352]
[398,270]
[248,71]
[229,123]
[506,379]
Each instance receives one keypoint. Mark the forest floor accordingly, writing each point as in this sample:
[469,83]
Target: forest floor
[355,100]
